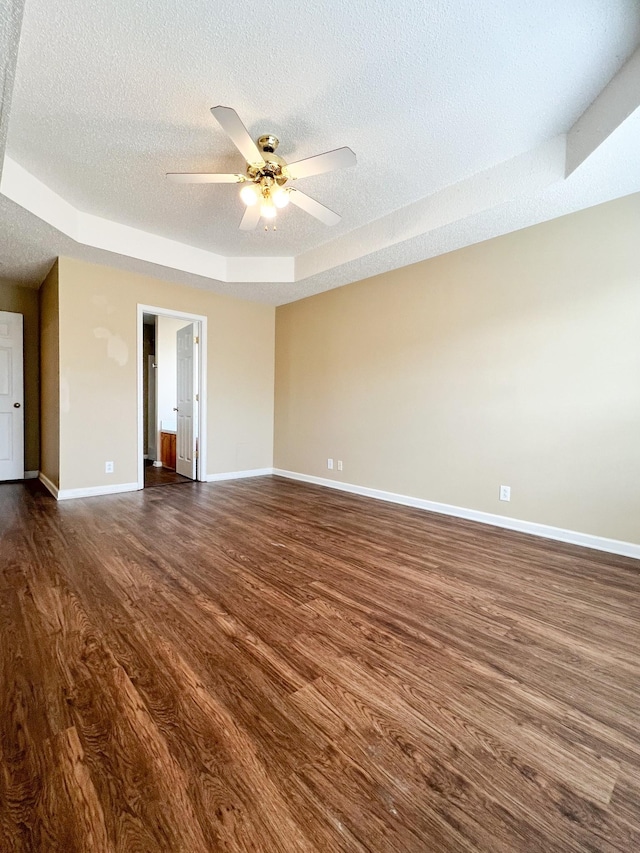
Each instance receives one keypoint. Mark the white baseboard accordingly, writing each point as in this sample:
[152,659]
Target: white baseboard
[239,475]
[573,537]
[90,492]
[586,540]
[95,491]
[31,475]
[46,482]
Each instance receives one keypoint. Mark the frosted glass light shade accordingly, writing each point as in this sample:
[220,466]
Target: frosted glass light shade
[249,195]
[267,210]
[280,198]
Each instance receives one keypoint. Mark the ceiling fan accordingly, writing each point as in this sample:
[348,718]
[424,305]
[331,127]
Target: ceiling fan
[267,176]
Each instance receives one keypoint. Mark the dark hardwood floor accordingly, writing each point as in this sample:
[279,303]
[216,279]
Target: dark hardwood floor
[162,477]
[265,666]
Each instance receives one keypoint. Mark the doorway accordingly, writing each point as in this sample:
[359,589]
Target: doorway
[171,397]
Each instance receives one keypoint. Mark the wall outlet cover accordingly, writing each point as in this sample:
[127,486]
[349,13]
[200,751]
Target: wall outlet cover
[330,464]
[505,493]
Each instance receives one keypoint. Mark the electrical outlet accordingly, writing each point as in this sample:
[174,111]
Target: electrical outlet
[108,467]
[339,464]
[505,493]
[330,464]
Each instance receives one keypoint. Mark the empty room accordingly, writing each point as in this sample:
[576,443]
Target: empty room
[319,427]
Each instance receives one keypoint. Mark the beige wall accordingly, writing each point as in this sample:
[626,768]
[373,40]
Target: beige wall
[24,300]
[50,378]
[516,362]
[98,390]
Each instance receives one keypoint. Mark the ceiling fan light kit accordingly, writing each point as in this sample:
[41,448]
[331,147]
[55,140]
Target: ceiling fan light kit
[268,208]
[249,195]
[267,175]
[280,198]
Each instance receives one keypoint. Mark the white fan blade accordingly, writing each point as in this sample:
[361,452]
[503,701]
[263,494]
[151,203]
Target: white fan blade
[203,178]
[251,218]
[230,122]
[310,205]
[340,158]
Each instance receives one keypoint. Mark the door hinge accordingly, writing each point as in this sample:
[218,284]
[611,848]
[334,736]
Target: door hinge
[195,455]
[197,398]
[196,340]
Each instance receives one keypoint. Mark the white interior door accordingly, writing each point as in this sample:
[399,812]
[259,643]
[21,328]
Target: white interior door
[187,414]
[11,397]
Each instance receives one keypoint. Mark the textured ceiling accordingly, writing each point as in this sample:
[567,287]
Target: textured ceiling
[11,12]
[433,98]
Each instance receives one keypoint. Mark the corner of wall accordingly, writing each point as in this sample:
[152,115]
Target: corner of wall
[49,311]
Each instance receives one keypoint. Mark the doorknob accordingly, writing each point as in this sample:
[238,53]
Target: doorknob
[174,408]
[16,405]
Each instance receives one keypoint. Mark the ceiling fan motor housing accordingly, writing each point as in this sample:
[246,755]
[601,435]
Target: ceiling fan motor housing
[271,171]
[268,143]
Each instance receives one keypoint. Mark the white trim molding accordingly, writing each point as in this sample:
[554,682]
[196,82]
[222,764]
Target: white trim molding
[31,475]
[89,492]
[545,531]
[96,491]
[240,475]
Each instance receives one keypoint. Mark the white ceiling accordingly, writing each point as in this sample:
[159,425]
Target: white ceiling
[458,113]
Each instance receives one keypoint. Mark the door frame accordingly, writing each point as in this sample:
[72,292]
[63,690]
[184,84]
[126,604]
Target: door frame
[201,324]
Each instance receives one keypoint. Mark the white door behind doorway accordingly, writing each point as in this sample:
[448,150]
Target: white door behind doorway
[11,397]
[186,458]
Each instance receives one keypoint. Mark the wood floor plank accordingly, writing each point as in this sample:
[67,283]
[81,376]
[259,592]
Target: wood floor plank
[72,811]
[269,667]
